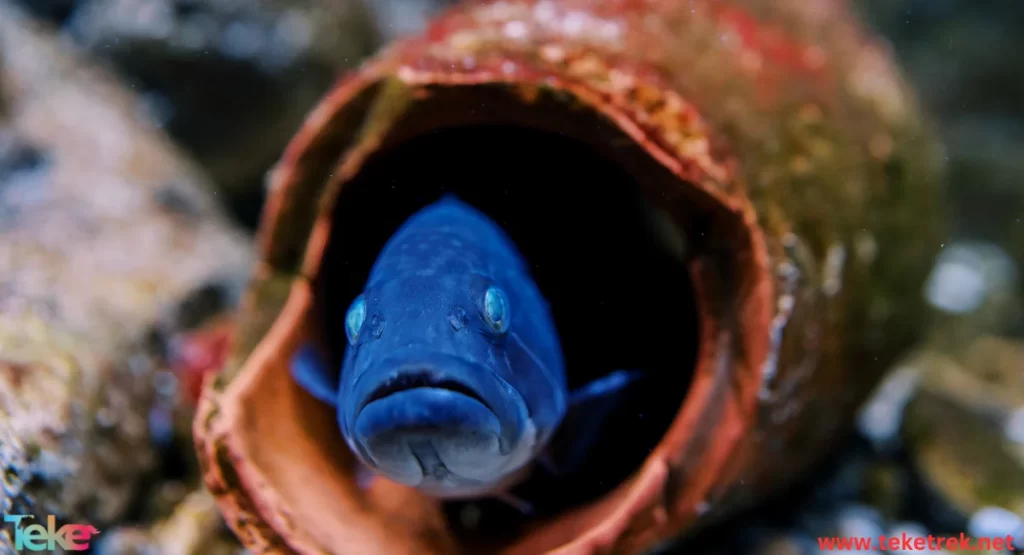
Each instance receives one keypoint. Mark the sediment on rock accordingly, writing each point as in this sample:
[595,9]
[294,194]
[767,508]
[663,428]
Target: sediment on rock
[104,227]
[224,77]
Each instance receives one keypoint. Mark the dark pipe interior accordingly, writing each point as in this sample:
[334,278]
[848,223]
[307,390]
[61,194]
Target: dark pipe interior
[619,300]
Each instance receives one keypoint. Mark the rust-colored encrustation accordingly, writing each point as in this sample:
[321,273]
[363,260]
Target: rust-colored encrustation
[778,138]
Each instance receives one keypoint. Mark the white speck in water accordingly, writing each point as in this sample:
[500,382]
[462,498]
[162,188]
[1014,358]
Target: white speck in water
[508,67]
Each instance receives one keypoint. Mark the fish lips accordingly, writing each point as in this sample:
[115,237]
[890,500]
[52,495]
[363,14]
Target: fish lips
[434,371]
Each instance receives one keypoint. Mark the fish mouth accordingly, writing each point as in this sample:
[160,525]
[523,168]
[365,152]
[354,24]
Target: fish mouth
[409,380]
[434,420]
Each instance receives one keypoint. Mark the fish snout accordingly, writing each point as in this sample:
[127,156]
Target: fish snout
[444,426]
[430,435]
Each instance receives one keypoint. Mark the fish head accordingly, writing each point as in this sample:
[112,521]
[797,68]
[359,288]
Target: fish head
[452,380]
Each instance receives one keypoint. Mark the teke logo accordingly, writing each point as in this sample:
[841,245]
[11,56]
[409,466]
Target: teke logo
[34,537]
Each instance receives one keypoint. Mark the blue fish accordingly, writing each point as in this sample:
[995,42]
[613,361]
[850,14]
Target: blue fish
[453,379]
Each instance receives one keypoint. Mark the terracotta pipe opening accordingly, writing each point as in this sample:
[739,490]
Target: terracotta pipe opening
[643,269]
[600,254]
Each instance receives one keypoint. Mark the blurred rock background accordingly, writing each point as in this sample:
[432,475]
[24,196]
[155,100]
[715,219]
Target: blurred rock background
[967,60]
[229,80]
[940,448]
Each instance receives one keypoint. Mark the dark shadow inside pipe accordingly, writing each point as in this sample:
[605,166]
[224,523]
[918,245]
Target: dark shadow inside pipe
[620,298]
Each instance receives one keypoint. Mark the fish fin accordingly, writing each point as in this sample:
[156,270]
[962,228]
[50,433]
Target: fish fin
[310,372]
[364,476]
[515,502]
[589,407]
[601,389]
[547,461]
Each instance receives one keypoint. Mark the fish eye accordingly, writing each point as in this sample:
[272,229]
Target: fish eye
[496,309]
[354,319]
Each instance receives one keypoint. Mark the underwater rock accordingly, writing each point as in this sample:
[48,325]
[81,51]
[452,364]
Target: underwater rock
[194,528]
[778,138]
[92,258]
[881,417]
[230,81]
[886,487]
[966,63]
[957,429]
